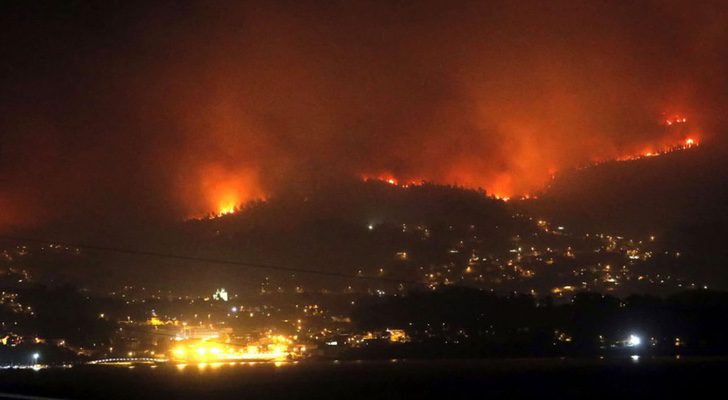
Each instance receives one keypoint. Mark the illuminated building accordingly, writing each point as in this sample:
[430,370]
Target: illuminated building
[270,348]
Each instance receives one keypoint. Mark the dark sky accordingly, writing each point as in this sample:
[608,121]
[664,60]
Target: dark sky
[122,111]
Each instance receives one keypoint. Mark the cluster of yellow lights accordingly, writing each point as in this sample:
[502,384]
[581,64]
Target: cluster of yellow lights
[203,351]
[216,365]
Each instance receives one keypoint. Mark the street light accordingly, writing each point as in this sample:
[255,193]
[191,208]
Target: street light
[634,340]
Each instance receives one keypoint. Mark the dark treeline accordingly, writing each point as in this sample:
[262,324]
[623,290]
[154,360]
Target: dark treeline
[472,323]
[57,322]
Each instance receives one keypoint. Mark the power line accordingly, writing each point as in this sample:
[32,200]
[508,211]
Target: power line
[154,254]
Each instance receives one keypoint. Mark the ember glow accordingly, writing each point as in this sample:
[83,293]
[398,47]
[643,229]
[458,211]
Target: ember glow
[683,144]
[676,120]
[392,180]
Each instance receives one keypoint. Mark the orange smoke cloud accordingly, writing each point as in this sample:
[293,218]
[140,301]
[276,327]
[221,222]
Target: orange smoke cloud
[248,101]
[218,191]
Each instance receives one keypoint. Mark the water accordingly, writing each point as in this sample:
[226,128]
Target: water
[395,379]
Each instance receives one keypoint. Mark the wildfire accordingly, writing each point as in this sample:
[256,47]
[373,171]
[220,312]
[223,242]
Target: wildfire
[228,206]
[386,178]
[223,192]
[390,179]
[682,145]
[671,122]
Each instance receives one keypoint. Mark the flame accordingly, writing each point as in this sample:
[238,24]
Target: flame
[502,186]
[228,207]
[683,144]
[503,195]
[391,179]
[224,191]
[676,120]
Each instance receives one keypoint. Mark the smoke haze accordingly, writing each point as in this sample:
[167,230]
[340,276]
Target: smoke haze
[163,111]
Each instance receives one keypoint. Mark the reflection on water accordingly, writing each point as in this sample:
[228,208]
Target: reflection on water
[203,366]
[397,378]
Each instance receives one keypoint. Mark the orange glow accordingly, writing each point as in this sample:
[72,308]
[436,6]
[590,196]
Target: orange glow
[390,179]
[224,189]
[503,182]
[676,120]
[667,148]
[223,192]
[505,186]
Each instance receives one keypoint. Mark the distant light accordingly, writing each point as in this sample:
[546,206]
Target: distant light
[234,309]
[36,356]
[220,294]
[371,227]
[635,358]
[634,340]
[561,228]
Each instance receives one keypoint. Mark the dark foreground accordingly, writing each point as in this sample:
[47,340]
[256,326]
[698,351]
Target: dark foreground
[546,378]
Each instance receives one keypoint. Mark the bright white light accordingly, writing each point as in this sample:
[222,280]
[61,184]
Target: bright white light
[635,358]
[634,340]
[36,356]
[220,294]
[234,309]
[371,227]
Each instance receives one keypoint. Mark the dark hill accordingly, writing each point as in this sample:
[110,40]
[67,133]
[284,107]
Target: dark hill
[681,197]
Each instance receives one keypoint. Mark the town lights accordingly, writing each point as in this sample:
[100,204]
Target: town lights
[273,348]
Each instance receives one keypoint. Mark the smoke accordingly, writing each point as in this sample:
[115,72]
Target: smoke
[117,112]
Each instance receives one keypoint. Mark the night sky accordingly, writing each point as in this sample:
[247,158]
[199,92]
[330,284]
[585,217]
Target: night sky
[123,111]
